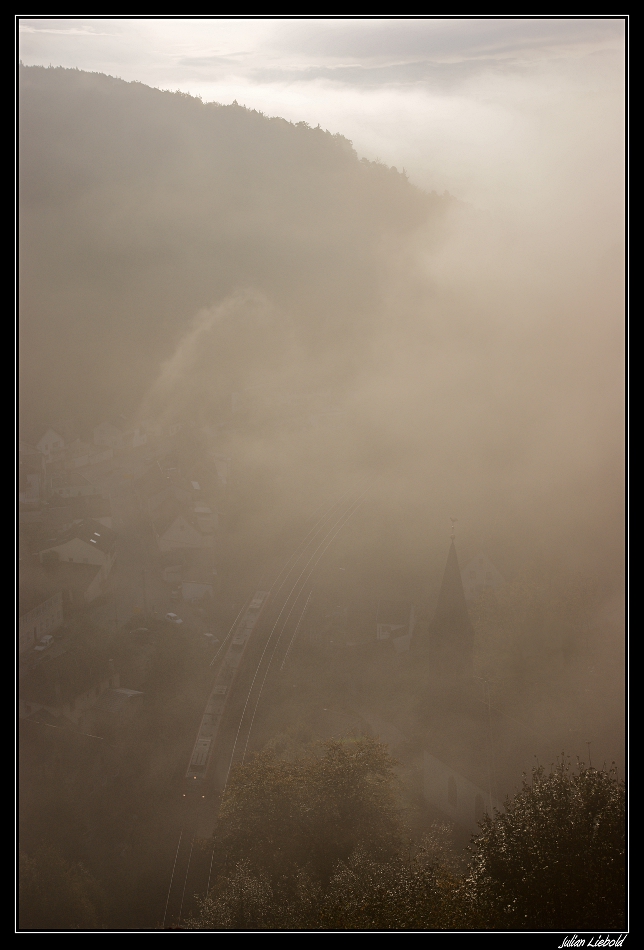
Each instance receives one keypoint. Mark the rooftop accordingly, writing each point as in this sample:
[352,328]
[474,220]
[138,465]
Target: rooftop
[90,531]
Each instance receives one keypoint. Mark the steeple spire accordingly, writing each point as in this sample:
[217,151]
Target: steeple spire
[451,634]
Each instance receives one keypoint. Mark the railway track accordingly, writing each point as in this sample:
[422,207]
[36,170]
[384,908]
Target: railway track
[256,647]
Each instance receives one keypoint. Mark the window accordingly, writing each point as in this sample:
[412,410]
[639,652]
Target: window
[451,791]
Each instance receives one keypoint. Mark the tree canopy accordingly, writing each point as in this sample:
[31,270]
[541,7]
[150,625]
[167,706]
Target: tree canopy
[315,844]
[555,858]
[311,812]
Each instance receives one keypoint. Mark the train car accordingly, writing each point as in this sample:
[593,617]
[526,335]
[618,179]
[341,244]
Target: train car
[195,777]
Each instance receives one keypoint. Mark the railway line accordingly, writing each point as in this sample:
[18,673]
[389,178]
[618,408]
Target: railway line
[257,646]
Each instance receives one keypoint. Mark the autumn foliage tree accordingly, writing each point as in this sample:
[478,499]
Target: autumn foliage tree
[555,858]
[316,844]
[311,812]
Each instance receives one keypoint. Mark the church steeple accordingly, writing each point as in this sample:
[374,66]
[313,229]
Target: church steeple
[451,633]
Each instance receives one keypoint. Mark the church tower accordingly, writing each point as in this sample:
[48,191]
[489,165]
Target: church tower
[451,636]
[459,778]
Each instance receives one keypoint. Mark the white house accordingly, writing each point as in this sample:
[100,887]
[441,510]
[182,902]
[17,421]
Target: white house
[71,484]
[51,444]
[454,795]
[396,622]
[479,574]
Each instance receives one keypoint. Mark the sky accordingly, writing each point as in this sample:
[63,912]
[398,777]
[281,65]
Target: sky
[492,110]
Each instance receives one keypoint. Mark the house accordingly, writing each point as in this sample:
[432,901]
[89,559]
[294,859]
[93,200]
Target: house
[108,435]
[116,708]
[80,584]
[51,443]
[200,583]
[28,487]
[178,527]
[40,608]
[396,621]
[59,516]
[66,688]
[77,454]
[206,518]
[31,471]
[71,484]
[459,799]
[52,440]
[478,575]
[87,542]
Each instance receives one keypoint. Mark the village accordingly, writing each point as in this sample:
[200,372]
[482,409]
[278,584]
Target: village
[133,529]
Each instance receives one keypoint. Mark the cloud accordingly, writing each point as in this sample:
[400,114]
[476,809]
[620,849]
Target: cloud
[360,74]
[70,32]
[439,38]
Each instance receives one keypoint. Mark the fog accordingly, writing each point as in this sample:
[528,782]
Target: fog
[439,339]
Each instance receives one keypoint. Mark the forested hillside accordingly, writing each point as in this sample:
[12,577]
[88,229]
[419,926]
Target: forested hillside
[139,207]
